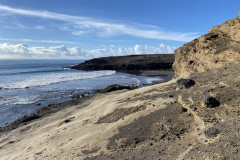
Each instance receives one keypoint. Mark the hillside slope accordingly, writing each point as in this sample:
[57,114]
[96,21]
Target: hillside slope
[212,50]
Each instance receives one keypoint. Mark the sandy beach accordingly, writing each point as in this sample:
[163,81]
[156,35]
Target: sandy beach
[82,130]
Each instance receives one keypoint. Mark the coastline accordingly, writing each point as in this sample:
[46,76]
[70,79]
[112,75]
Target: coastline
[85,117]
[44,111]
[158,121]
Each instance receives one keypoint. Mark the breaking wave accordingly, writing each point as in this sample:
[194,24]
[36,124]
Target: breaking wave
[52,78]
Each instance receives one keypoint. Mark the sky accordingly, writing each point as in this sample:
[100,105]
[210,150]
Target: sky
[84,29]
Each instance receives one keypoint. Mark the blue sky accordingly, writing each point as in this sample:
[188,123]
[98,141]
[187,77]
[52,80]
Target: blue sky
[93,28]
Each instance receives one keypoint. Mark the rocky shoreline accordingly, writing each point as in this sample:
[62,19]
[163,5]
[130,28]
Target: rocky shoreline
[53,108]
[78,99]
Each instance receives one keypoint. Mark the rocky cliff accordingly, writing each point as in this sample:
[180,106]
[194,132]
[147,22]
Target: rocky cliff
[129,63]
[215,49]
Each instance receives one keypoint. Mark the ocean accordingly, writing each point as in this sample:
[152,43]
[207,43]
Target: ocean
[26,85]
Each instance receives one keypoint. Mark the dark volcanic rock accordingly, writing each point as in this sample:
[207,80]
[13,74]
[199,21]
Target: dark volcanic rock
[185,83]
[114,88]
[184,109]
[19,121]
[75,96]
[210,102]
[129,63]
[29,118]
[43,110]
[211,132]
[136,141]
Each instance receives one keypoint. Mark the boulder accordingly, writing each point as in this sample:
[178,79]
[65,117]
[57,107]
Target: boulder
[211,132]
[29,118]
[114,88]
[184,83]
[43,110]
[184,109]
[75,96]
[210,102]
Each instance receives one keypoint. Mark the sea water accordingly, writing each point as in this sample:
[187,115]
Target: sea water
[26,85]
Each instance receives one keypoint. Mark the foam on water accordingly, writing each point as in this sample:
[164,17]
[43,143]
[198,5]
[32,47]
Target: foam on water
[26,85]
[130,81]
[52,78]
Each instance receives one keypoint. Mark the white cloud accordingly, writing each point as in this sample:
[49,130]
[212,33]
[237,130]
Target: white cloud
[9,51]
[79,33]
[39,41]
[15,28]
[39,27]
[79,25]
[21,26]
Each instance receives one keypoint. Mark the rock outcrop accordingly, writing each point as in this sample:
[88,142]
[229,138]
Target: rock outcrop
[115,87]
[215,49]
[129,63]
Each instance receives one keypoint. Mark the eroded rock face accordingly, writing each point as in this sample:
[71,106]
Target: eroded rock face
[212,50]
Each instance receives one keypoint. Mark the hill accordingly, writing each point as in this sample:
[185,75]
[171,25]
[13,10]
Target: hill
[129,63]
[215,49]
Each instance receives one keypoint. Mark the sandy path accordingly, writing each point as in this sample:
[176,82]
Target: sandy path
[72,133]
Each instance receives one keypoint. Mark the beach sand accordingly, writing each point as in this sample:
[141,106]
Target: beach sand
[82,130]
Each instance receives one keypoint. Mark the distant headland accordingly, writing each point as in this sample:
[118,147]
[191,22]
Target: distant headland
[129,63]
